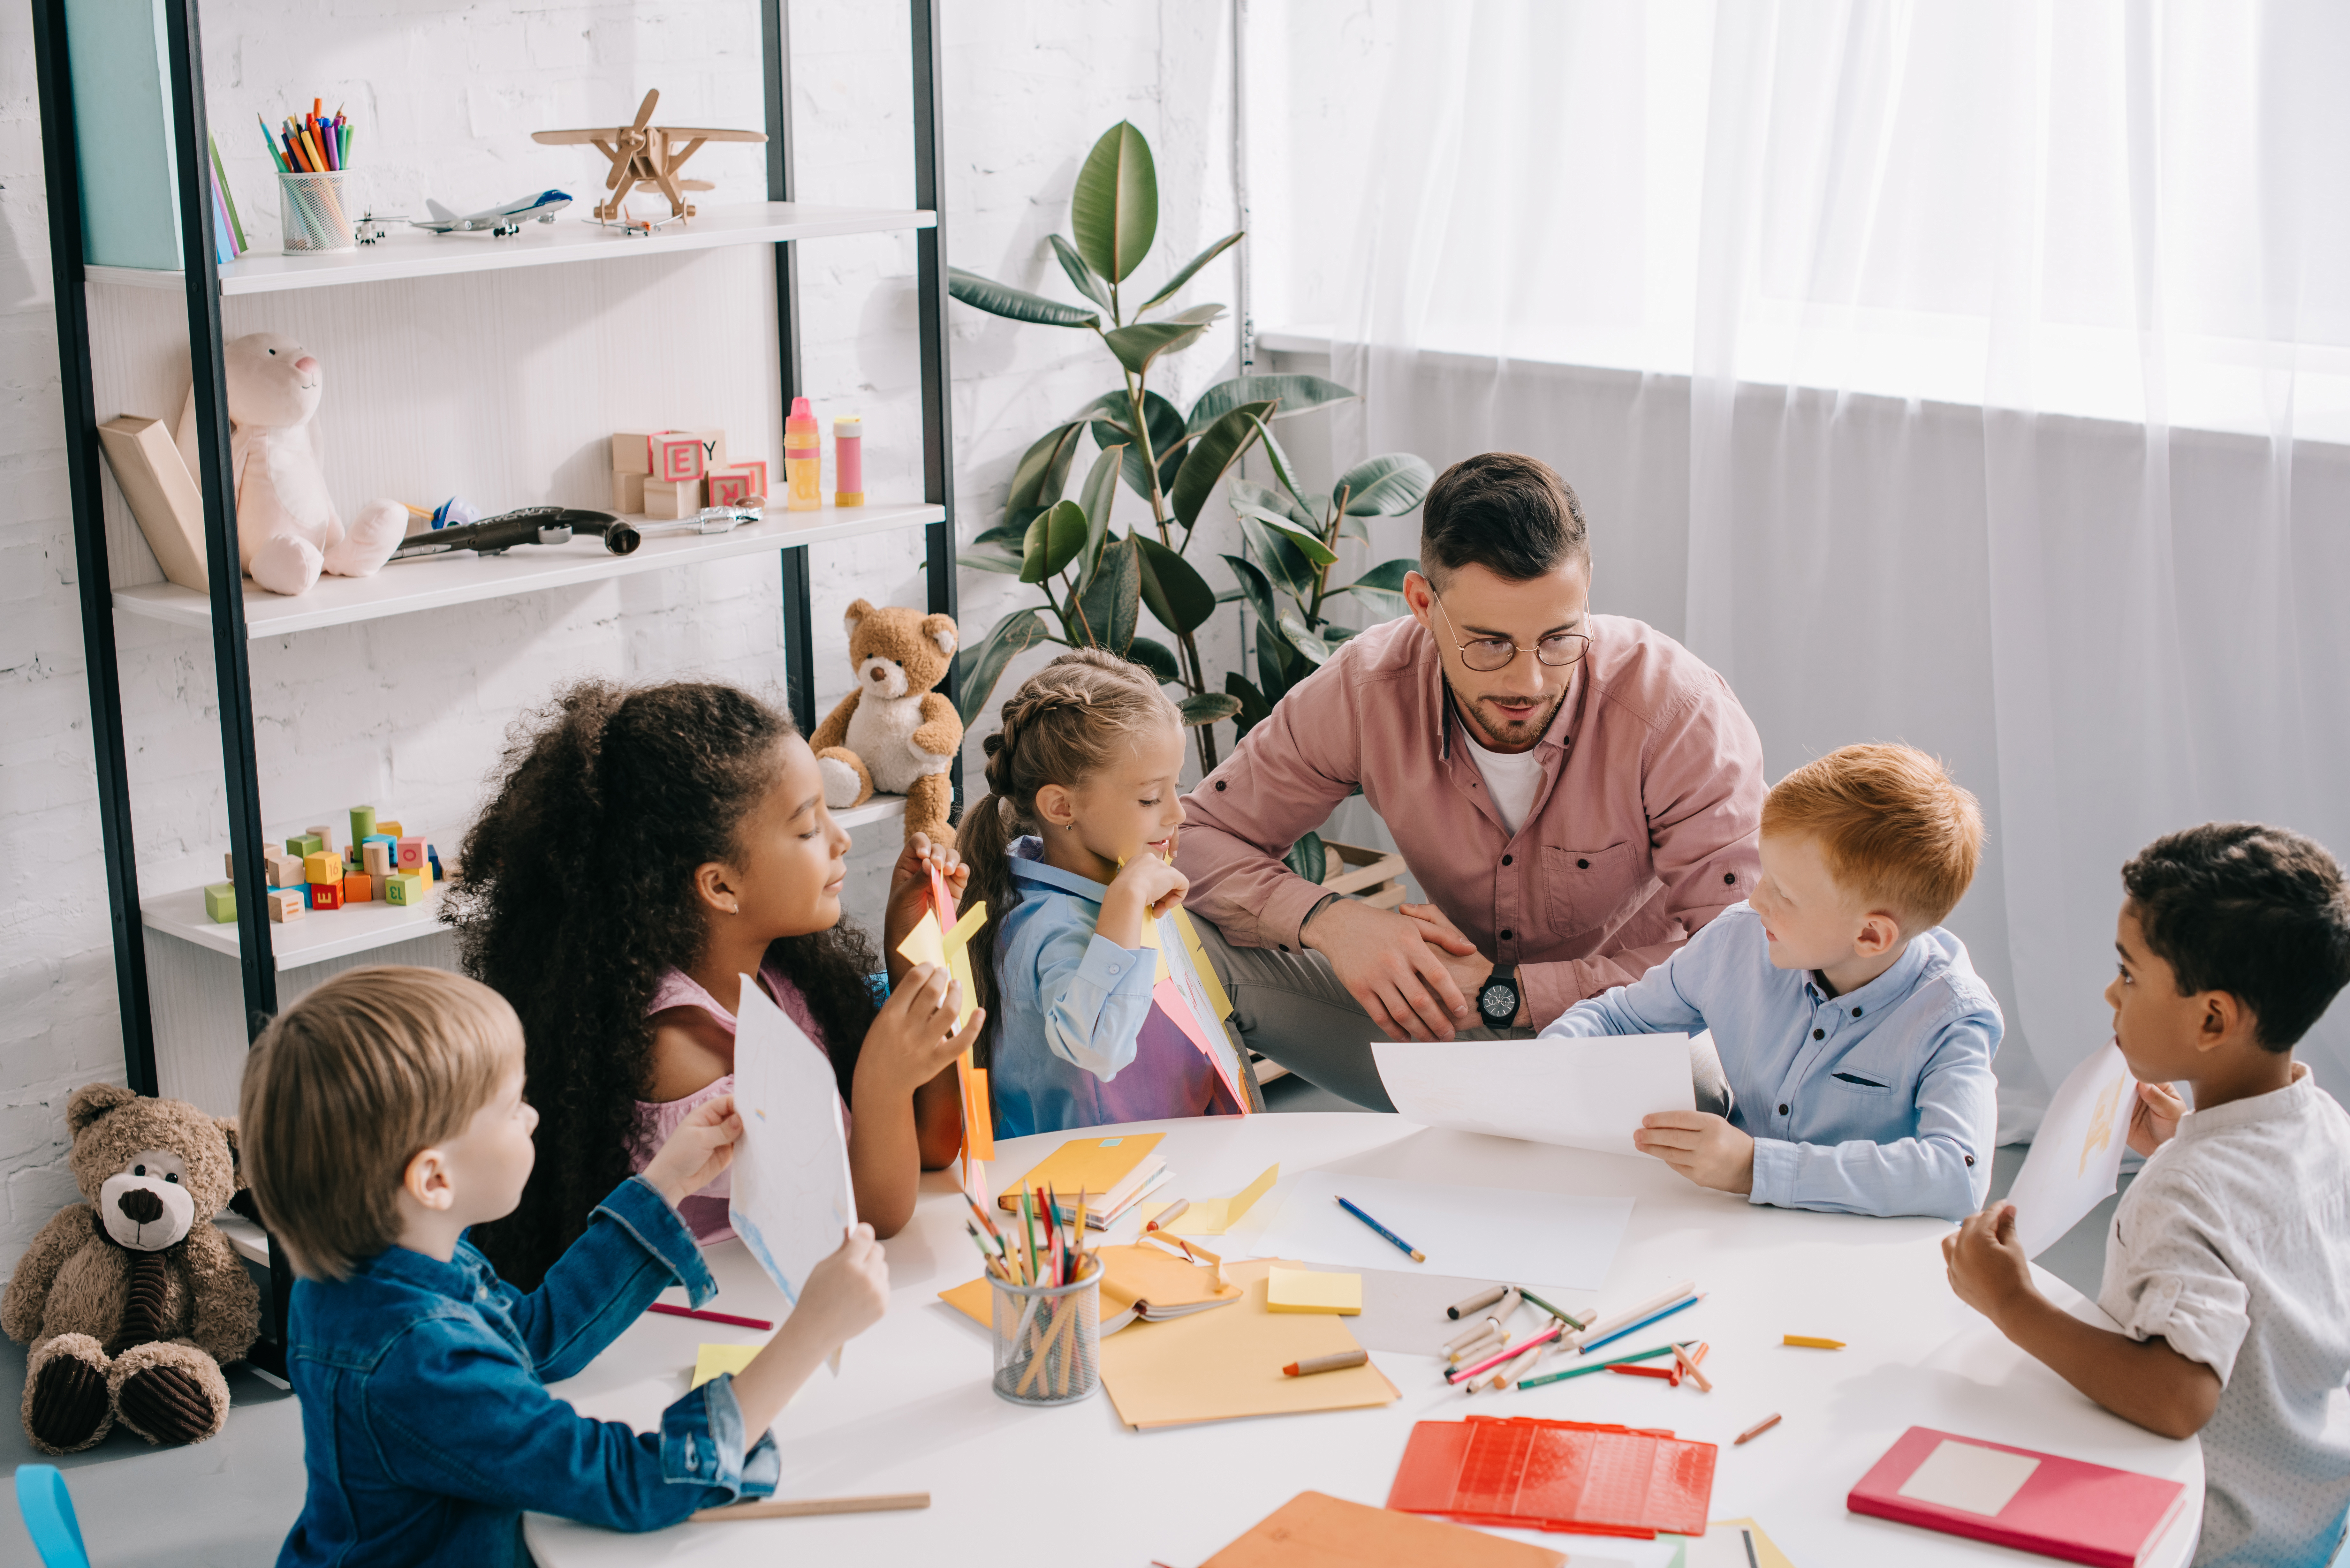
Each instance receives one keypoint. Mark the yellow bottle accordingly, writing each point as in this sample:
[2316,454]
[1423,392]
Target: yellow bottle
[803,459]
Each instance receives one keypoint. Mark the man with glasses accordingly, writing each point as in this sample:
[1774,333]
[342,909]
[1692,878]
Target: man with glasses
[1576,794]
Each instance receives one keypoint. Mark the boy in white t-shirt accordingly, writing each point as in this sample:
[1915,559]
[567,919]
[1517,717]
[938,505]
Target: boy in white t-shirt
[2228,1265]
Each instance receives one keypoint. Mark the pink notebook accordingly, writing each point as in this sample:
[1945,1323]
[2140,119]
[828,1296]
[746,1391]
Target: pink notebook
[2015,1496]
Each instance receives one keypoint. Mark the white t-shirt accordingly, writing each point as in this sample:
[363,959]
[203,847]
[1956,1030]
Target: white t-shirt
[1511,778]
[2233,1244]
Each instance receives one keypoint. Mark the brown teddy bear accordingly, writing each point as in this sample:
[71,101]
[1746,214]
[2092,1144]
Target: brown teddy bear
[893,732]
[132,1301]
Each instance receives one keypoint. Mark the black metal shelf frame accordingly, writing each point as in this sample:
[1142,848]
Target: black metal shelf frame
[231,670]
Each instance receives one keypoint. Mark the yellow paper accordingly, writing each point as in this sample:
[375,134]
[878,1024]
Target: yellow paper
[925,943]
[1213,1216]
[1766,1551]
[1215,988]
[1088,1165]
[713,1359]
[1302,1290]
[1220,1365]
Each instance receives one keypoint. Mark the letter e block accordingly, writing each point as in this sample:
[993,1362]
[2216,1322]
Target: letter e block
[326,894]
[677,455]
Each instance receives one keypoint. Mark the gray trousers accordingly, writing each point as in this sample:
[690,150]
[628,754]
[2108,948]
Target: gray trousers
[1290,1007]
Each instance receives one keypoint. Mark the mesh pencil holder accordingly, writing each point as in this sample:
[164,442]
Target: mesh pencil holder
[313,215]
[1048,1340]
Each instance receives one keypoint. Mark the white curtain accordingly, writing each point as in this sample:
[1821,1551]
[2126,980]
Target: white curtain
[1972,374]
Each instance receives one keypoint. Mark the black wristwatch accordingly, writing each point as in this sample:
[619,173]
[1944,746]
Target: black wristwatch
[1497,999]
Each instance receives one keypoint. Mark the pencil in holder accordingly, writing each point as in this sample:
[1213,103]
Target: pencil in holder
[1048,1339]
[314,214]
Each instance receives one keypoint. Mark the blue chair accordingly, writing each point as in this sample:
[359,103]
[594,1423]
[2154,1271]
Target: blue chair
[48,1507]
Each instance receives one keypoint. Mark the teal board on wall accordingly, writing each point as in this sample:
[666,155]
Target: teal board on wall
[122,132]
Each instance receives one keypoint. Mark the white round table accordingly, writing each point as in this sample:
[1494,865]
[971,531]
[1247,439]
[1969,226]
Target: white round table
[912,1410]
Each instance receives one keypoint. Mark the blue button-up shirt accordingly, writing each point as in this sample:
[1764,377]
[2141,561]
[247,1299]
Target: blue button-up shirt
[1077,1042]
[427,1428]
[1880,1100]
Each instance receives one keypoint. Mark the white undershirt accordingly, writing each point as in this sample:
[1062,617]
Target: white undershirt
[1512,778]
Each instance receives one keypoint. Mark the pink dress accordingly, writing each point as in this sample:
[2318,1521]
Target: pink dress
[705,1212]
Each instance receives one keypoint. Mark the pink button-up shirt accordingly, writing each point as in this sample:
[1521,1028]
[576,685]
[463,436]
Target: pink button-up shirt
[1643,828]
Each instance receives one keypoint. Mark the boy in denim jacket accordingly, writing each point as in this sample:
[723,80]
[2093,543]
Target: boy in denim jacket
[382,1114]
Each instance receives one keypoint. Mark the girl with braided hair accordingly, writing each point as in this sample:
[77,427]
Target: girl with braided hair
[1073,849]
[644,850]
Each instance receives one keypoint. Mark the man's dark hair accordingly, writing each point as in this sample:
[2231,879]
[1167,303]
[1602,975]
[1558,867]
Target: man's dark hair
[1503,511]
[2259,912]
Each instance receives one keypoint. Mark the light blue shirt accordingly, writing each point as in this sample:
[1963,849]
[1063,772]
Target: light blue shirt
[1077,1043]
[1880,1100]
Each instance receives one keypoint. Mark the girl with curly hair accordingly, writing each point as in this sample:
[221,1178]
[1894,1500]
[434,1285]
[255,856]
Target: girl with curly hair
[645,849]
[1073,851]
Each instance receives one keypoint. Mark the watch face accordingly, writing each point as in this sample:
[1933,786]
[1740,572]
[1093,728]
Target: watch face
[1497,1000]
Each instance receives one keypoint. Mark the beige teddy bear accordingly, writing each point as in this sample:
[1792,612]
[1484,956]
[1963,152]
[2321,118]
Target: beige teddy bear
[287,531]
[893,732]
[132,1301]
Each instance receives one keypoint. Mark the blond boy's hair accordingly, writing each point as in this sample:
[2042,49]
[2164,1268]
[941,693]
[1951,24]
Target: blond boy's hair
[346,1085]
[1893,828]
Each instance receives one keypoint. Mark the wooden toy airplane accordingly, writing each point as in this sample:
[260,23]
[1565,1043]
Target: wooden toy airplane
[646,154]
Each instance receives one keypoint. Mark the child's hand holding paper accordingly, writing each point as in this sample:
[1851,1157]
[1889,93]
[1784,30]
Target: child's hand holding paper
[697,1152]
[1701,1146]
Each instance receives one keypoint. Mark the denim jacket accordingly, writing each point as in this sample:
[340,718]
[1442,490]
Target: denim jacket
[426,1423]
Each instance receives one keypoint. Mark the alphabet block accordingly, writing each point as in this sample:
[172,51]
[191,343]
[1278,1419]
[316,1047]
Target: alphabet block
[326,894]
[627,493]
[324,865]
[403,888]
[376,858]
[304,844]
[664,499]
[359,889]
[286,905]
[678,455]
[220,902]
[632,452]
[362,824]
[714,449]
[411,854]
[738,484]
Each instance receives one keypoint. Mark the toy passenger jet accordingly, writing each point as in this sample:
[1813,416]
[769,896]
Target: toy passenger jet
[507,219]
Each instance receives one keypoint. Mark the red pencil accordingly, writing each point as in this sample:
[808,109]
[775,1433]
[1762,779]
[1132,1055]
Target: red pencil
[700,1316]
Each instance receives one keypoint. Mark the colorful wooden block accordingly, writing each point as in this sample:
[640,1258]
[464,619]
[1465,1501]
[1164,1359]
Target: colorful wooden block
[403,888]
[326,894]
[322,867]
[667,500]
[411,854]
[375,858]
[220,902]
[627,494]
[359,889]
[283,869]
[678,455]
[738,485]
[632,452]
[304,844]
[362,823]
[325,836]
[713,451]
[432,857]
[228,864]
[287,904]
[387,830]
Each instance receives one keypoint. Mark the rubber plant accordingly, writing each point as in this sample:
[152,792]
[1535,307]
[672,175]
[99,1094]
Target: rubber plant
[1092,577]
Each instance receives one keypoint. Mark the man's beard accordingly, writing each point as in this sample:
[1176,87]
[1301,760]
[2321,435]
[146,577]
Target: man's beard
[1479,720]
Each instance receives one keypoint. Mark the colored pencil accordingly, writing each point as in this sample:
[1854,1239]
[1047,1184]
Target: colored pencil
[1331,1363]
[1681,1305]
[1756,1430]
[700,1316]
[1484,1298]
[1507,1353]
[1578,1325]
[1649,1355]
[1168,1215]
[274,156]
[1688,1364]
[1414,1254]
[1809,1342]
[1632,1314]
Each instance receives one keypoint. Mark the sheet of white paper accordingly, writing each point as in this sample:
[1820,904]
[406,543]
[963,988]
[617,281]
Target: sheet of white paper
[2076,1156]
[1480,1232]
[1580,1094]
[1186,981]
[792,1199]
[1969,1476]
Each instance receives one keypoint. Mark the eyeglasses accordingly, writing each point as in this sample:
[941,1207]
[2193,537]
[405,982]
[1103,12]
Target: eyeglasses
[1487,654]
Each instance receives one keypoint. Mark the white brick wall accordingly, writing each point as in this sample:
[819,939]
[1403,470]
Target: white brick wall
[410,711]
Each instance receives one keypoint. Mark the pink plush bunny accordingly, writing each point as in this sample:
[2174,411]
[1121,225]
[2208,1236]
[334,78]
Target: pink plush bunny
[287,528]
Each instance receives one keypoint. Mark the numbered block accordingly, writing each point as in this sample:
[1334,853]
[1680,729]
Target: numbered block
[324,865]
[220,903]
[287,904]
[359,889]
[403,888]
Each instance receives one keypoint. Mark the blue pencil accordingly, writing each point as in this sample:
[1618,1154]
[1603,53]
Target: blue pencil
[1402,1245]
[1681,1305]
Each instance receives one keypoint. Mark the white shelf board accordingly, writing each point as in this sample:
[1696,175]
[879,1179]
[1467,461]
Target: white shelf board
[319,935]
[412,253]
[463,578]
[881,808]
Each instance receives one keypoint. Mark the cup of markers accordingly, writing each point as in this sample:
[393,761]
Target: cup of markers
[313,158]
[1047,1292]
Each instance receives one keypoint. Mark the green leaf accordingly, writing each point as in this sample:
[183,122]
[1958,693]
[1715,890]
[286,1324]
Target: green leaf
[1043,470]
[1054,541]
[1137,346]
[1175,592]
[1106,612]
[1011,532]
[1279,667]
[1254,709]
[1283,563]
[1250,493]
[992,559]
[1256,592]
[1214,451]
[1296,394]
[1283,469]
[1183,274]
[1307,857]
[981,667]
[1166,435]
[1207,708]
[1018,304]
[1089,282]
[1303,637]
[1385,486]
[1382,587]
[1095,496]
[1114,211]
[1304,541]
[1155,656]
[1354,528]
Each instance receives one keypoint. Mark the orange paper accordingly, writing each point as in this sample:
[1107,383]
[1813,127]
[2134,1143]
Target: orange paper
[1312,1531]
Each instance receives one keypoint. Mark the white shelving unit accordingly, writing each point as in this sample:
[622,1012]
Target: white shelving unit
[408,253]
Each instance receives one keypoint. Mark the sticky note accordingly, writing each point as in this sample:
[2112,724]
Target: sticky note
[713,1359]
[1214,1216]
[1302,1290]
